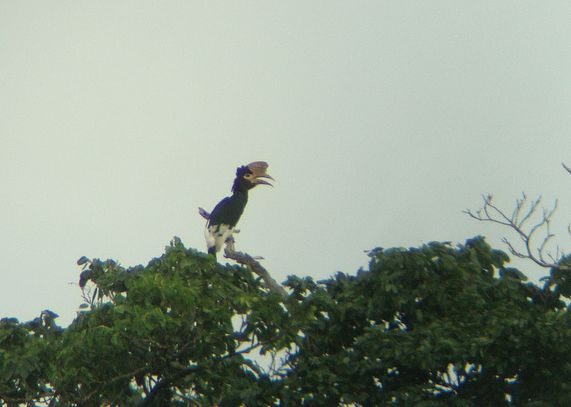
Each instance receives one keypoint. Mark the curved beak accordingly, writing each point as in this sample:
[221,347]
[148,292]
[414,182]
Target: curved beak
[258,169]
[259,181]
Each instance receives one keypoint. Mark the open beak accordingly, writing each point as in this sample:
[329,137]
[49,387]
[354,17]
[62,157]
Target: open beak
[258,169]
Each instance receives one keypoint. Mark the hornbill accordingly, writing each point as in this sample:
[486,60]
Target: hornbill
[225,215]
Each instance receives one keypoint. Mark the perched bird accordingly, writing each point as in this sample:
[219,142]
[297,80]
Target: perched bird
[225,215]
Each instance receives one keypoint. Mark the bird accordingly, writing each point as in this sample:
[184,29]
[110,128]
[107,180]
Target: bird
[223,219]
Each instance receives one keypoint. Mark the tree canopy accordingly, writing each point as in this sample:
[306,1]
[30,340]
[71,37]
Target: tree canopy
[440,324]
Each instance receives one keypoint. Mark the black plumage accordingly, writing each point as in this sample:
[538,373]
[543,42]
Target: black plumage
[226,214]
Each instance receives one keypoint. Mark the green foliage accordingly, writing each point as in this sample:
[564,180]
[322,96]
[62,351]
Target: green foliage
[432,325]
[169,324]
[25,351]
[435,325]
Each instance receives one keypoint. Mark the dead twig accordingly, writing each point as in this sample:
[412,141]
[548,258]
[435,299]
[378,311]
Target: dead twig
[255,267]
[523,213]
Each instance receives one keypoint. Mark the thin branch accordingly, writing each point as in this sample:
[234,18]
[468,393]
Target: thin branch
[496,209]
[255,267]
[540,250]
[522,213]
[530,212]
[512,249]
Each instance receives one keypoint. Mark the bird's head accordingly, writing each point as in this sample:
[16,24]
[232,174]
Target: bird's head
[248,176]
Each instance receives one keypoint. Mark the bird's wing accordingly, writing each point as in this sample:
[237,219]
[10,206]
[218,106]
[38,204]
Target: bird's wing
[227,212]
[217,216]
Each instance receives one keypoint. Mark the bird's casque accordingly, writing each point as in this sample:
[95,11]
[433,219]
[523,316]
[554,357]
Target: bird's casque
[225,215]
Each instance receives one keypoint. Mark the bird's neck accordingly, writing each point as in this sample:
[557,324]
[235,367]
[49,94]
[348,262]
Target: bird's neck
[239,188]
[240,194]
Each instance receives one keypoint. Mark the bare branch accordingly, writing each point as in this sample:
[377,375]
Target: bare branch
[523,212]
[255,267]
[541,249]
[489,204]
[533,206]
[512,249]
[567,168]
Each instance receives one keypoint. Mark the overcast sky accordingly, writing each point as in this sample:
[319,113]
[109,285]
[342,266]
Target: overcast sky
[381,121]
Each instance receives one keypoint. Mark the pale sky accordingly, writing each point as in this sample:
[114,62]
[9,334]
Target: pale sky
[381,121]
